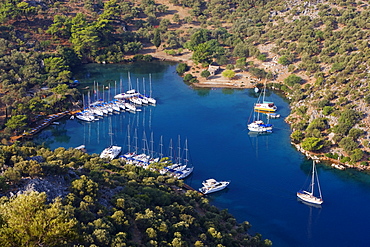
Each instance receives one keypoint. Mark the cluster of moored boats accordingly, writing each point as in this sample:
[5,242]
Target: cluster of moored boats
[179,170]
[131,101]
[263,107]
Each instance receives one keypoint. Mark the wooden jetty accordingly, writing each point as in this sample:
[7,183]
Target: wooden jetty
[46,122]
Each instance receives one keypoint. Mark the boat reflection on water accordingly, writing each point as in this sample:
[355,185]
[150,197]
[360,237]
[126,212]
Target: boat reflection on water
[309,204]
[256,134]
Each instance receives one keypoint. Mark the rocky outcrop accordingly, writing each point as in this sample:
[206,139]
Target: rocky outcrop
[54,186]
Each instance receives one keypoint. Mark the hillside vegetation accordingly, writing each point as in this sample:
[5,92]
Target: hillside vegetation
[323,44]
[91,202]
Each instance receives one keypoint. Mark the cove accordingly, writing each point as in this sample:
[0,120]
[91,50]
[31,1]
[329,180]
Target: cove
[265,170]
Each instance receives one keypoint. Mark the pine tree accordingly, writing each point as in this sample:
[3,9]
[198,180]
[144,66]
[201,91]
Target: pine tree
[157,38]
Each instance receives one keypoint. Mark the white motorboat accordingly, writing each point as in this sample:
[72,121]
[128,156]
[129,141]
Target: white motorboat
[212,185]
[111,152]
[308,195]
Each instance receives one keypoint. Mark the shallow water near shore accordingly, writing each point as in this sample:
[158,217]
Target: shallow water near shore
[265,170]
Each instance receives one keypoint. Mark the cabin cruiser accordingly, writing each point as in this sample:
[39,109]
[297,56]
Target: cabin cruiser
[212,185]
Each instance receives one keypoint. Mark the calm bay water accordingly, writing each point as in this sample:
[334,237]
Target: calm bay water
[265,170]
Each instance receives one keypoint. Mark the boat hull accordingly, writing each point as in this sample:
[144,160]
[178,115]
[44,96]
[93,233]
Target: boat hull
[269,107]
[307,197]
[213,186]
[111,152]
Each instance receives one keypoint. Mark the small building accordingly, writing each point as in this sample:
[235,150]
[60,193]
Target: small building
[213,69]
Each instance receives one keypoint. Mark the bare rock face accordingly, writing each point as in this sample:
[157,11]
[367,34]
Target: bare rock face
[54,186]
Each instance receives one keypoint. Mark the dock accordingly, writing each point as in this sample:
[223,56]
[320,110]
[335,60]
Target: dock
[46,122]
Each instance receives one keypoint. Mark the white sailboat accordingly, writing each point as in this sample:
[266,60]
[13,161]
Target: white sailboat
[112,151]
[264,105]
[150,99]
[308,195]
[188,170]
[258,125]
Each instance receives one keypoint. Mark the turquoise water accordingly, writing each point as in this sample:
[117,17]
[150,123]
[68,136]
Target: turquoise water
[265,171]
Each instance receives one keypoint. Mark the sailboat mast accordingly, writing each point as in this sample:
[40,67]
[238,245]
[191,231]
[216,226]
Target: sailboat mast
[103,91]
[135,140]
[318,183]
[171,149]
[186,151]
[144,86]
[151,144]
[97,91]
[115,87]
[129,81]
[179,151]
[128,139]
[150,85]
[312,177]
[144,142]
[110,131]
[161,147]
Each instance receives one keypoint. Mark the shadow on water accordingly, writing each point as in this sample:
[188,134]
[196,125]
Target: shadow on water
[228,91]
[203,92]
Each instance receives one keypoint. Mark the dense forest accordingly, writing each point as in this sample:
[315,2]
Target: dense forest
[323,44]
[90,201]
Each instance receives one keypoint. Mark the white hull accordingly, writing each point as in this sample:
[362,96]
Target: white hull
[130,107]
[259,126]
[152,101]
[136,101]
[85,116]
[111,152]
[97,111]
[265,106]
[184,173]
[307,197]
[211,186]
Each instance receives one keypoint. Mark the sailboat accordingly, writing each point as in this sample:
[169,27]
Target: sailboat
[308,195]
[188,170]
[259,126]
[150,99]
[111,152]
[265,105]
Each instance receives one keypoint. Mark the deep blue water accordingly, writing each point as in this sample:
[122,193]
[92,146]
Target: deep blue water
[265,170]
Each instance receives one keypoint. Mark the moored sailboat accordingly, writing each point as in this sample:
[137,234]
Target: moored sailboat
[112,151]
[265,105]
[308,195]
